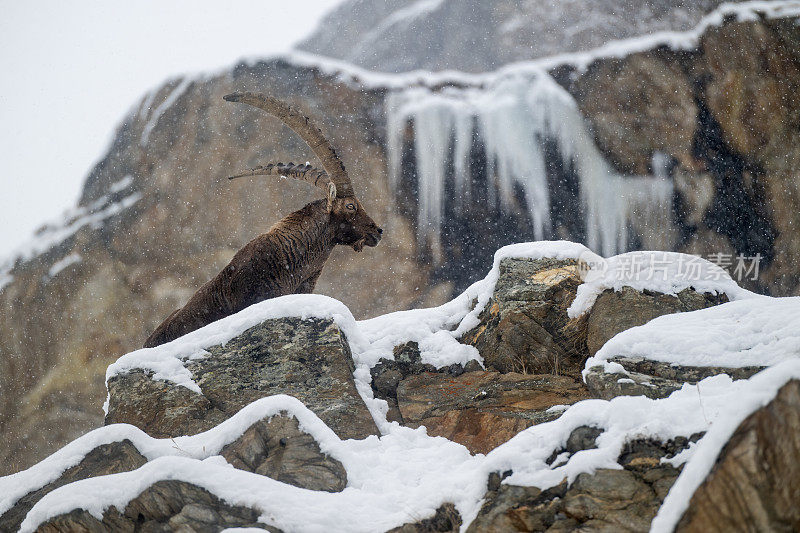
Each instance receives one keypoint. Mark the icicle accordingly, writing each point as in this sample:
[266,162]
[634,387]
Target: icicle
[512,116]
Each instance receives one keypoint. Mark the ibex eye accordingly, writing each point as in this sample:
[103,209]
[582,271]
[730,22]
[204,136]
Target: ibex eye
[351,207]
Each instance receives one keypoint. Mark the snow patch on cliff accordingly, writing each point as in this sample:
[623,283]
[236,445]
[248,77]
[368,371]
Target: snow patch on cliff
[168,102]
[63,263]
[54,233]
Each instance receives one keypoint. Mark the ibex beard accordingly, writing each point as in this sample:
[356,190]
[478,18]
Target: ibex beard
[288,258]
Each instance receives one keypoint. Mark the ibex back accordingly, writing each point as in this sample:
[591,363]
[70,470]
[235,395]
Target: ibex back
[288,258]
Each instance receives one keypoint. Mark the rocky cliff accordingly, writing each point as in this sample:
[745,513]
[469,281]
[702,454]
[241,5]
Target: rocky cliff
[155,221]
[478,36]
[293,416]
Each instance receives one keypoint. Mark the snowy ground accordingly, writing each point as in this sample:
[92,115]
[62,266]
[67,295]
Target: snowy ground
[405,474]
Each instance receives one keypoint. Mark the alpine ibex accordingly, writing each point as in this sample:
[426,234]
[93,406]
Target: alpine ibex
[289,257]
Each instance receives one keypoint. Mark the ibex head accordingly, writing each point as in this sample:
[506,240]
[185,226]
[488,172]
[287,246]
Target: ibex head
[352,226]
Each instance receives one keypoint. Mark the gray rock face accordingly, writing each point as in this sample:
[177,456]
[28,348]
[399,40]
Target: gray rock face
[307,359]
[616,311]
[755,483]
[479,35]
[524,326]
[608,500]
[652,378]
[277,448]
[106,459]
[164,506]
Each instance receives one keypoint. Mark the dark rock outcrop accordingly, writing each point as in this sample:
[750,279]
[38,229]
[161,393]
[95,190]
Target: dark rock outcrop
[388,374]
[277,448]
[446,520]
[607,500]
[524,326]
[307,359]
[653,379]
[755,483]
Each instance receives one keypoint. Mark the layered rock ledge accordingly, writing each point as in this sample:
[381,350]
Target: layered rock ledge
[307,359]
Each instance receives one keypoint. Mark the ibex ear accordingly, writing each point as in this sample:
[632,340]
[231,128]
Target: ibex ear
[331,196]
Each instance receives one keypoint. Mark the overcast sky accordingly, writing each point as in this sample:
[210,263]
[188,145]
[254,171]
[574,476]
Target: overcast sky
[70,70]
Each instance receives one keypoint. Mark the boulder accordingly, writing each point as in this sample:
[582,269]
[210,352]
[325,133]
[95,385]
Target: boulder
[653,379]
[279,449]
[616,311]
[388,374]
[482,410]
[524,327]
[755,483]
[446,520]
[105,459]
[164,506]
[307,359]
[606,500]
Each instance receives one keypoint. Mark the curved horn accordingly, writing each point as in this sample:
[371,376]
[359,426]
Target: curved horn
[301,125]
[307,173]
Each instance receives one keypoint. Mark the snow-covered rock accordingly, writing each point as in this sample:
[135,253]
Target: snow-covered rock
[524,327]
[728,84]
[738,338]
[198,381]
[279,463]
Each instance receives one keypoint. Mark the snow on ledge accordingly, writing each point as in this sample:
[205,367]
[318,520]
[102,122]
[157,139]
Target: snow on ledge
[437,329]
[664,272]
[759,331]
[686,40]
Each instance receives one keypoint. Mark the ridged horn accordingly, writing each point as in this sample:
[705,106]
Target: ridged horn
[314,176]
[301,125]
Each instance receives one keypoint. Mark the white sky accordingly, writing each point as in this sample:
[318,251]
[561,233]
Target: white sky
[70,70]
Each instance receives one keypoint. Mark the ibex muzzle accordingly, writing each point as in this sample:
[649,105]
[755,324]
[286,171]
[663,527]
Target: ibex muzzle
[288,258]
